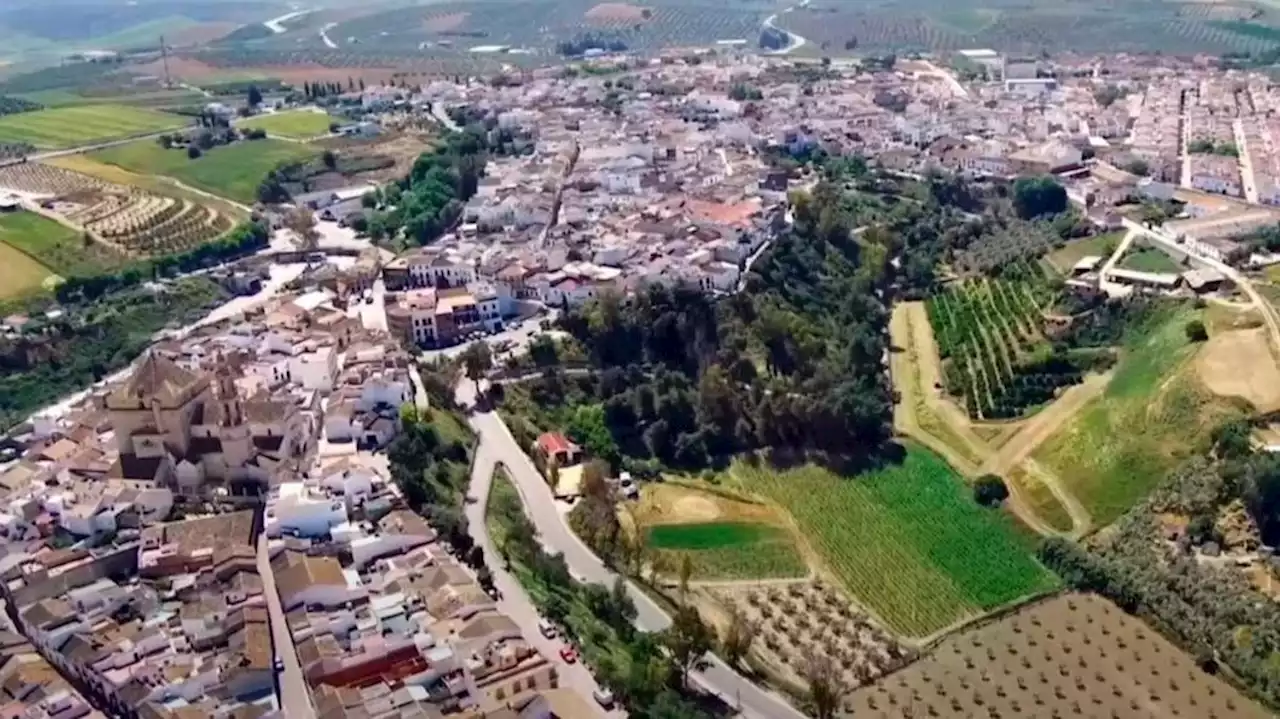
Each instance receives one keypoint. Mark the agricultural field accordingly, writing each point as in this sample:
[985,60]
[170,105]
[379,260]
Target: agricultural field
[797,620]
[297,125]
[71,126]
[725,537]
[988,332]
[154,98]
[233,171]
[132,222]
[20,274]
[836,26]
[1072,655]
[1063,259]
[52,247]
[1152,414]
[907,541]
[1149,259]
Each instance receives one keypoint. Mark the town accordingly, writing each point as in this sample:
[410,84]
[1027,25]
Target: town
[229,527]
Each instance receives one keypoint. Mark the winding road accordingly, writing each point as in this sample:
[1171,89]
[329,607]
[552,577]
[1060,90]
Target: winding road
[497,445]
[794,41]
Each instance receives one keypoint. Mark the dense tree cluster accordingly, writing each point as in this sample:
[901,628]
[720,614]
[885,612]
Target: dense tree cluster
[432,472]
[14,105]
[429,200]
[241,241]
[796,362]
[1038,196]
[611,42]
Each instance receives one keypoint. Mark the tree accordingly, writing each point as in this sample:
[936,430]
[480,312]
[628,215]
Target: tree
[738,636]
[826,688]
[330,160]
[688,639]
[1232,439]
[193,152]
[478,360]
[255,96]
[1038,196]
[301,221]
[1196,331]
[686,572]
[989,490]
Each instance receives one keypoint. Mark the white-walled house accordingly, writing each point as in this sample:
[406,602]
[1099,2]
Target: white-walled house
[306,511]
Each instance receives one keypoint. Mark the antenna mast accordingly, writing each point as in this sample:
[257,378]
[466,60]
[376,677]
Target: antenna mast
[164,57]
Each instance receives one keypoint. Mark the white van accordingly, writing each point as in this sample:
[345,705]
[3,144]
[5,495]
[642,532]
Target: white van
[547,628]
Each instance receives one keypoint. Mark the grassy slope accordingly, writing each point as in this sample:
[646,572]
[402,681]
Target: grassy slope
[1116,450]
[19,273]
[1101,245]
[55,246]
[908,541]
[234,171]
[1147,259]
[71,126]
[300,124]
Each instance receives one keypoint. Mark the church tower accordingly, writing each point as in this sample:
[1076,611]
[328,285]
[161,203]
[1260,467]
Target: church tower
[237,445]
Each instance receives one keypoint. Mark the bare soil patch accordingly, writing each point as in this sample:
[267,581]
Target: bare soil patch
[671,503]
[1073,655]
[616,12]
[446,22]
[1239,364]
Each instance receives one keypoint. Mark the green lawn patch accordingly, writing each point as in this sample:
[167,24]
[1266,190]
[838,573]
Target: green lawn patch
[729,550]
[1066,257]
[1151,416]
[1148,259]
[297,124]
[83,125]
[708,535]
[907,541]
[232,171]
[55,247]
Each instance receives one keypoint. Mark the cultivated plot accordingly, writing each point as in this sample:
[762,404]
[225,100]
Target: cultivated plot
[74,126]
[233,171]
[298,125]
[907,541]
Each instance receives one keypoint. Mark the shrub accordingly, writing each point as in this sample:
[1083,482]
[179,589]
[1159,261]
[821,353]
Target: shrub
[989,490]
[193,152]
[1196,331]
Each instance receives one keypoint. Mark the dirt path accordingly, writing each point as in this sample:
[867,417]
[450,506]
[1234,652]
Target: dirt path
[916,371]
[1039,428]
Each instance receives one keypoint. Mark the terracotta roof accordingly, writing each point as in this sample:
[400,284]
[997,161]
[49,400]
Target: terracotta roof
[159,378]
[304,572]
[552,443]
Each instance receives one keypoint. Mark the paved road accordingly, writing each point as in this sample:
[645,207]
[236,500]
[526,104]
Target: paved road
[515,603]
[497,443]
[295,697]
[794,41]
[1246,162]
[276,25]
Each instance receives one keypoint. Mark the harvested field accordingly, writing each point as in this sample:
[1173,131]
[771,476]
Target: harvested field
[1240,364]
[445,22]
[54,247]
[1073,655]
[615,12]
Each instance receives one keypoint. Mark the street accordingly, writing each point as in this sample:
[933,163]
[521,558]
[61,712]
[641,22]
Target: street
[295,696]
[497,444]
[515,603]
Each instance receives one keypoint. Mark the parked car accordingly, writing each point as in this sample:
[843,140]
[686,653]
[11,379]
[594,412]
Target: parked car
[547,628]
[568,654]
[603,697]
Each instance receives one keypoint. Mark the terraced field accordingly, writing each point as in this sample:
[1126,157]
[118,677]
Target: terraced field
[83,125]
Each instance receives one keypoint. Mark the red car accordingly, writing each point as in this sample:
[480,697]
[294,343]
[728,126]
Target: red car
[568,654]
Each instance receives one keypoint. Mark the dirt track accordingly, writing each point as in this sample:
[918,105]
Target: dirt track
[916,370]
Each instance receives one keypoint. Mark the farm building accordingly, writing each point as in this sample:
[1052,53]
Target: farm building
[1155,280]
[1204,280]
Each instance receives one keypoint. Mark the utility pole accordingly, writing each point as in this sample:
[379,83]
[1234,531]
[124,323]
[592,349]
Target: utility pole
[164,57]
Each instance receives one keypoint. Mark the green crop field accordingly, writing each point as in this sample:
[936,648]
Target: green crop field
[1152,414]
[53,247]
[729,550]
[299,124]
[233,171]
[907,541]
[71,126]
